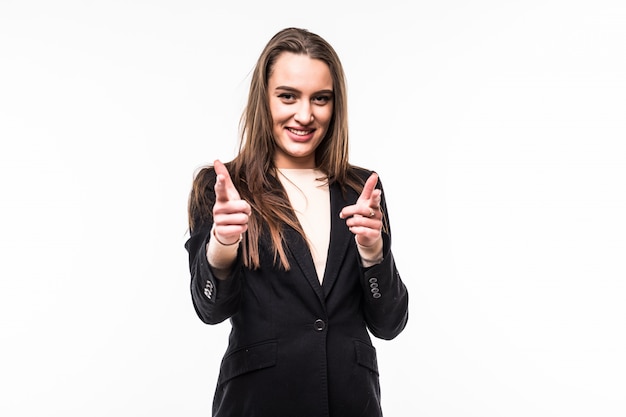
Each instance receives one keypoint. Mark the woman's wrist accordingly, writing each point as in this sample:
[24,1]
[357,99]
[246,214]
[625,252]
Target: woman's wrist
[226,244]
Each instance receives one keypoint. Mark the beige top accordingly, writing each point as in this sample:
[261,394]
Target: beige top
[310,199]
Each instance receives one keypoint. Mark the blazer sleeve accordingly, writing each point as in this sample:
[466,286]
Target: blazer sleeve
[386,305]
[214,300]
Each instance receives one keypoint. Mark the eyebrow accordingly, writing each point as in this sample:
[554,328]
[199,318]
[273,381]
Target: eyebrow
[295,90]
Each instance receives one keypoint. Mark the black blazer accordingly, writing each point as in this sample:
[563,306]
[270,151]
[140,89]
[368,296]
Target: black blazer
[298,348]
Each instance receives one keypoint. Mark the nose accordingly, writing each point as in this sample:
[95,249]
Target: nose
[304,114]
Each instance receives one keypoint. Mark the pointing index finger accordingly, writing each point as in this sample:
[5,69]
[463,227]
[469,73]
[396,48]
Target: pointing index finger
[369,186]
[224,188]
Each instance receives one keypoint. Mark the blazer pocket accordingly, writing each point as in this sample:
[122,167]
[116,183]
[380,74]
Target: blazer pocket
[366,356]
[248,359]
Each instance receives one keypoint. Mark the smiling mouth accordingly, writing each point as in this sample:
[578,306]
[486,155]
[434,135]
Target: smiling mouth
[299,132]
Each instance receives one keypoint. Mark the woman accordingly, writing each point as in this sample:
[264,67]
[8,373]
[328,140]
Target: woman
[292,244]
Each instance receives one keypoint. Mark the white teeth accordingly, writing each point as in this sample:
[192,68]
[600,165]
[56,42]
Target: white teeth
[299,132]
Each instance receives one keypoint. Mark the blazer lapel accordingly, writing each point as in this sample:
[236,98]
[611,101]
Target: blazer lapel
[299,249]
[340,238]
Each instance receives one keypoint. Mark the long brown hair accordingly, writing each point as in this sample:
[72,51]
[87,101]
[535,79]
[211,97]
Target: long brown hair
[253,171]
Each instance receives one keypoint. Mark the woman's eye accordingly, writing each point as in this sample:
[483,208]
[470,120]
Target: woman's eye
[321,99]
[287,97]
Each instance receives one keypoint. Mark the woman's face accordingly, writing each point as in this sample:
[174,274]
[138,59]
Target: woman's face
[300,91]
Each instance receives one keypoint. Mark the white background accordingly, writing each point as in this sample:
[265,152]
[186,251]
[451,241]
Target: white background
[498,129]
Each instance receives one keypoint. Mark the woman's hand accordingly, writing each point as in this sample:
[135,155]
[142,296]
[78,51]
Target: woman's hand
[364,218]
[230,212]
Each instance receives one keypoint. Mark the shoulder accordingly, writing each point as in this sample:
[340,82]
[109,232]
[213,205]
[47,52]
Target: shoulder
[354,179]
[204,178]
[201,197]
[204,173]
[359,172]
